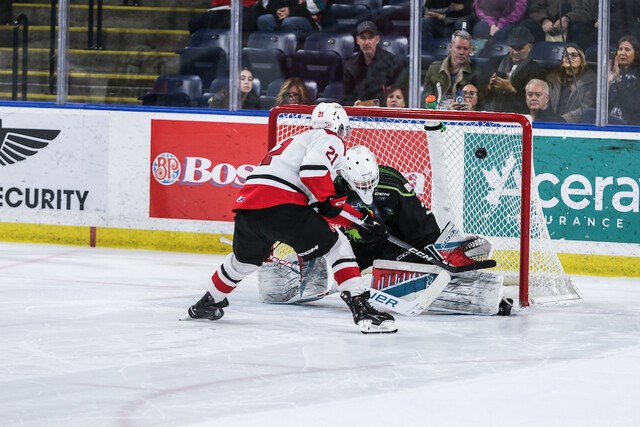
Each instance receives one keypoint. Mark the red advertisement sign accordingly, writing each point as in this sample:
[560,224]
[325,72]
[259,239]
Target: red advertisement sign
[197,168]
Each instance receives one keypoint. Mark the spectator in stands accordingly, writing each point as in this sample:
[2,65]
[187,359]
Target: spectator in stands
[551,19]
[572,88]
[395,97]
[624,18]
[471,99]
[219,16]
[443,17]
[496,18]
[249,100]
[624,81]
[444,79]
[372,70]
[291,16]
[537,95]
[506,76]
[293,91]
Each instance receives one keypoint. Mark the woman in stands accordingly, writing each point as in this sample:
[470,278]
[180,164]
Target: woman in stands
[497,17]
[624,81]
[395,97]
[293,91]
[471,99]
[249,100]
[572,88]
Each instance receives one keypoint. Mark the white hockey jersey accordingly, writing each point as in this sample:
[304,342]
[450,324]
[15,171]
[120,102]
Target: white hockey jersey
[299,170]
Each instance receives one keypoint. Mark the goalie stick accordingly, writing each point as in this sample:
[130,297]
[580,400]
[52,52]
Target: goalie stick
[432,255]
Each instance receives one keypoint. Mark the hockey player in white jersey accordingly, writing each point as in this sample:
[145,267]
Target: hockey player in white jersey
[274,205]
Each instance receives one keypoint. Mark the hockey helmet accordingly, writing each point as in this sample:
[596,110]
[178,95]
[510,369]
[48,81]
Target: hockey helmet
[331,115]
[360,170]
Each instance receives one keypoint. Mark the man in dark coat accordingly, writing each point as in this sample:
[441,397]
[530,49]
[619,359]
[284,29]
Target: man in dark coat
[506,76]
[372,70]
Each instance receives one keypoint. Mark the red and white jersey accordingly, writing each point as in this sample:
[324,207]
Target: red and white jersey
[299,170]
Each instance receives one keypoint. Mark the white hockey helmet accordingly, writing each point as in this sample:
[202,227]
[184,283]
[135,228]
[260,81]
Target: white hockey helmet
[360,170]
[331,115]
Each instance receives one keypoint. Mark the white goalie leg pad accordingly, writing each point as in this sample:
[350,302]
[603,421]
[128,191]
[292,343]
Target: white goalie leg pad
[406,288]
[280,284]
[472,292]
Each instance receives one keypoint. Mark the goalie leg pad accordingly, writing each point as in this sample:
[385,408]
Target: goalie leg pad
[473,292]
[281,284]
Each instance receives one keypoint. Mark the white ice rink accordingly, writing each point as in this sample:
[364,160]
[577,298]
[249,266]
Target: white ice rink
[90,337]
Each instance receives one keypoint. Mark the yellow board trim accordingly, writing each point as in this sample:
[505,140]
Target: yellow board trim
[592,265]
[115,238]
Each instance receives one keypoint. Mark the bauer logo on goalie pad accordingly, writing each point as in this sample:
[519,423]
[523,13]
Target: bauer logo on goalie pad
[396,280]
[385,300]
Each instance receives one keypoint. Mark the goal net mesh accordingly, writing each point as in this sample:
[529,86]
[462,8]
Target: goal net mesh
[468,172]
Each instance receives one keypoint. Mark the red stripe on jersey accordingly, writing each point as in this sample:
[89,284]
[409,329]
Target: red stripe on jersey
[321,186]
[258,196]
[345,274]
[221,285]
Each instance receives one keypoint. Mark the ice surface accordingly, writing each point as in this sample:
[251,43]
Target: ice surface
[90,337]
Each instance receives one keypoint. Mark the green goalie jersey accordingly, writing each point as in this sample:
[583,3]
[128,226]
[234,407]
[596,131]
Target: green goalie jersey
[396,204]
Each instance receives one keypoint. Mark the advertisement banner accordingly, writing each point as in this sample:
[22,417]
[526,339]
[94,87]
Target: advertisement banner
[53,163]
[196,168]
[589,188]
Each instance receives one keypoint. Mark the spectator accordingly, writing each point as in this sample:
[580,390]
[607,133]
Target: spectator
[624,18]
[624,81]
[219,17]
[395,97]
[496,18]
[471,99]
[443,17]
[372,70]
[551,19]
[506,76]
[293,91]
[290,16]
[445,78]
[537,93]
[249,100]
[572,89]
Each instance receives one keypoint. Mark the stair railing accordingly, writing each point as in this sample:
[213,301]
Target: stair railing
[21,20]
[98,44]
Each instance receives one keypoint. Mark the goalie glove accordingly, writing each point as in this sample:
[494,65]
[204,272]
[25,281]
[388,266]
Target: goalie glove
[459,248]
[373,230]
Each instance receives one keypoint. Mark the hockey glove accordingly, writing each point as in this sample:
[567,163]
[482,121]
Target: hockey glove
[372,230]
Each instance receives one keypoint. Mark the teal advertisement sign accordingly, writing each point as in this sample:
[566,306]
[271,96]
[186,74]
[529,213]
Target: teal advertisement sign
[589,188]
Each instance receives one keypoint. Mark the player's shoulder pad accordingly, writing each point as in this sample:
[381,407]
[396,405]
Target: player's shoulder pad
[392,179]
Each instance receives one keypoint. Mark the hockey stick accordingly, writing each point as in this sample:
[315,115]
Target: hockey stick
[432,255]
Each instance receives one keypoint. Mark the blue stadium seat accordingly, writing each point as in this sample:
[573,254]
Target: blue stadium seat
[342,43]
[286,42]
[396,19]
[332,92]
[207,62]
[323,67]
[266,64]
[211,37]
[345,17]
[175,90]
[548,54]
[494,49]
[398,45]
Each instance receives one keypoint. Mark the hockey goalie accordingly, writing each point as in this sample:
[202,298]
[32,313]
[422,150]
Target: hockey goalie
[402,280]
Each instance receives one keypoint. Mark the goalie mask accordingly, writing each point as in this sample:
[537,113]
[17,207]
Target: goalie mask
[331,115]
[360,170]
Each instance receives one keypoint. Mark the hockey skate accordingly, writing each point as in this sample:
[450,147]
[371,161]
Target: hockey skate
[206,308]
[368,319]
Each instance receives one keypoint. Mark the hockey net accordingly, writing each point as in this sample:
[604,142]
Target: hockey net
[477,172]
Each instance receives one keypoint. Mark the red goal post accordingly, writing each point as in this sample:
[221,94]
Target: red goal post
[477,172]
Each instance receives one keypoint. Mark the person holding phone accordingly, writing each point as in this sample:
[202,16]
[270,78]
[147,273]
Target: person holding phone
[506,76]
[371,71]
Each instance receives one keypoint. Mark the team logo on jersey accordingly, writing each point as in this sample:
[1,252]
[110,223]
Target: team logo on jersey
[166,168]
[18,144]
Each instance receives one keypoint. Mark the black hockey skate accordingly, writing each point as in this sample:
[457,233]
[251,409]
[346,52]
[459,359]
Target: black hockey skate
[504,309]
[206,308]
[370,320]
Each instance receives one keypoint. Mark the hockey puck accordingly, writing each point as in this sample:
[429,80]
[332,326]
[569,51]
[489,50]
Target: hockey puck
[481,153]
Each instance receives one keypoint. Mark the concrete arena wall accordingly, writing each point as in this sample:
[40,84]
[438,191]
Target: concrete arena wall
[105,177]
